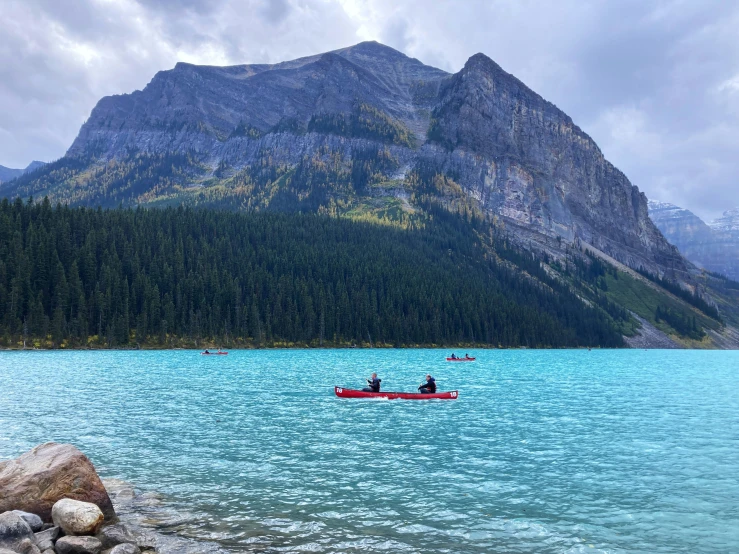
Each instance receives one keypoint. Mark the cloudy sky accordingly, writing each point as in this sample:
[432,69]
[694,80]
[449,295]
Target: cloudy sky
[655,83]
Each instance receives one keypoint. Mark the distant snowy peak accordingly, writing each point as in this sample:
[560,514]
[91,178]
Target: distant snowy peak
[657,205]
[665,211]
[729,222]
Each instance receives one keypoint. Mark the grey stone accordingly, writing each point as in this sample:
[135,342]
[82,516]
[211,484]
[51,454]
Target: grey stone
[78,545]
[49,534]
[13,531]
[33,520]
[126,548]
[27,546]
[76,517]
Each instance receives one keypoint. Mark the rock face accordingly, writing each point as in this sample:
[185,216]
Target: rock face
[300,127]
[35,481]
[77,518]
[713,246]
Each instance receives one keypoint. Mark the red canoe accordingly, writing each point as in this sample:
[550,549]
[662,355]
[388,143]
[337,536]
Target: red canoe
[213,353]
[460,359]
[351,393]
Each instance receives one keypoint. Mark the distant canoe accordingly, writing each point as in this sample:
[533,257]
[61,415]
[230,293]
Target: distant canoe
[461,359]
[351,393]
[213,353]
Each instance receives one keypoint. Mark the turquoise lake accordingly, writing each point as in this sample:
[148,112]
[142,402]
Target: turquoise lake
[544,451]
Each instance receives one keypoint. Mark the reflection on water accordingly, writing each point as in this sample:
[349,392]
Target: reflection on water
[545,451]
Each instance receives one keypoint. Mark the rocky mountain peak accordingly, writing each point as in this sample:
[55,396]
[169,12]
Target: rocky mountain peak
[728,222]
[513,154]
[714,247]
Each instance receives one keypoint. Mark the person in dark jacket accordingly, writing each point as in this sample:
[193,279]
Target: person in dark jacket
[373,384]
[429,387]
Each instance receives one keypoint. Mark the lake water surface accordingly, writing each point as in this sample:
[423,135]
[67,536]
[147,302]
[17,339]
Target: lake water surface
[544,451]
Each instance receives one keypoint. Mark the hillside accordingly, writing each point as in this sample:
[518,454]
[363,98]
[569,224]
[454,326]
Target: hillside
[369,135]
[77,277]
[8,174]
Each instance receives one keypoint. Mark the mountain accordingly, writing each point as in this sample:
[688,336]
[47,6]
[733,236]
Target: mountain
[349,130]
[480,166]
[6,173]
[713,246]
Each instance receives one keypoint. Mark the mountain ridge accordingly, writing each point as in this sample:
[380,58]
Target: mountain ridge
[713,246]
[518,156]
[8,173]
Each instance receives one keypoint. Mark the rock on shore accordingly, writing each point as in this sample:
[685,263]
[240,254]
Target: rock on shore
[77,518]
[36,480]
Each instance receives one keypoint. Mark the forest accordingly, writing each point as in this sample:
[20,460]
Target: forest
[127,278]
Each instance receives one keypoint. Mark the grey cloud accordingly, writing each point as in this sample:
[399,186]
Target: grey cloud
[275,11]
[656,84]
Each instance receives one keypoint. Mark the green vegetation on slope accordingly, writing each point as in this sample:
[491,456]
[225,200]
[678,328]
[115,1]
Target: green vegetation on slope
[75,276]
[364,122]
[619,293]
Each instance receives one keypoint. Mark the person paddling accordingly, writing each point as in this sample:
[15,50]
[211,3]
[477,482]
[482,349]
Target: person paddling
[429,387]
[373,384]
[206,351]
[454,356]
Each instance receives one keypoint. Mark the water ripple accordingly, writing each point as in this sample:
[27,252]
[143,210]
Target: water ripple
[545,451]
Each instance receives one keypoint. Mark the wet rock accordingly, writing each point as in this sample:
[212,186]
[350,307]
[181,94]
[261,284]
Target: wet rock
[126,548]
[113,535]
[36,480]
[33,520]
[78,545]
[77,518]
[14,531]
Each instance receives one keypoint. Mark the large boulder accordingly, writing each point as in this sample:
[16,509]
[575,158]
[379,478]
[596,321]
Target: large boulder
[49,472]
[14,532]
[77,518]
[78,545]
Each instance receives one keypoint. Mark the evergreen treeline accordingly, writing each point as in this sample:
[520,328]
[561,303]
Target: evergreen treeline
[365,121]
[684,324]
[692,298]
[122,277]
